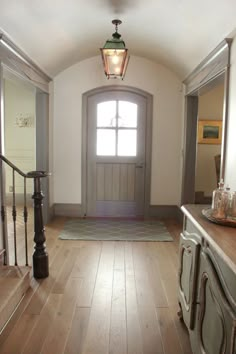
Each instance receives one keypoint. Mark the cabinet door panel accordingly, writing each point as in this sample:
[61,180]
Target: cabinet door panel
[216,319]
[189,256]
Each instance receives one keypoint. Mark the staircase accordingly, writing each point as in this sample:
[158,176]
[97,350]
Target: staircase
[15,273]
[14,282]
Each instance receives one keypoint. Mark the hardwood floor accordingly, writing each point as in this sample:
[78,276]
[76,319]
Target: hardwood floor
[101,297]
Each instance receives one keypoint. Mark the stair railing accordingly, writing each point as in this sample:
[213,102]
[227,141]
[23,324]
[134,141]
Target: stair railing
[40,256]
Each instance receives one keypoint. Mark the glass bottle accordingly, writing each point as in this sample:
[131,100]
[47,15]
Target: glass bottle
[220,202]
[228,201]
[233,205]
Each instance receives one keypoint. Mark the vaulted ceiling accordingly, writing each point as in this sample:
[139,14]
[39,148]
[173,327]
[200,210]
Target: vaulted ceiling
[176,33]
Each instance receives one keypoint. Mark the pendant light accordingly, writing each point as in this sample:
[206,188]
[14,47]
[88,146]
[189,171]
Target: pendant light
[115,55]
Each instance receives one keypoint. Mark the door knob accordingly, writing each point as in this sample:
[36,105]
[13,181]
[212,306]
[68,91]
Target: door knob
[139,165]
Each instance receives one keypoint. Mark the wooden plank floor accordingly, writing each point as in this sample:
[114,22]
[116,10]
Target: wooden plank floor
[101,297]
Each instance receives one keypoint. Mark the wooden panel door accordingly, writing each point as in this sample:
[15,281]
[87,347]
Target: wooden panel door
[116,134]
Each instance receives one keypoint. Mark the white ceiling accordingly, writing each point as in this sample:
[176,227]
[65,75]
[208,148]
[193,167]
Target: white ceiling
[176,33]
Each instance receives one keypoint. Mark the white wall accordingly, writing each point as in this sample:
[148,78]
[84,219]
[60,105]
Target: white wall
[166,89]
[51,110]
[20,142]
[230,171]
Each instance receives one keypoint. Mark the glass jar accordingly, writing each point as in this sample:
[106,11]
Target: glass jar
[233,205]
[220,202]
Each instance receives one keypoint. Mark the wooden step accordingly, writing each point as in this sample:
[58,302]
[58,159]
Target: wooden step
[14,282]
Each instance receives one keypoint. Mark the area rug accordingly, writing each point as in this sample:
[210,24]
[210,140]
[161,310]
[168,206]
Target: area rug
[114,230]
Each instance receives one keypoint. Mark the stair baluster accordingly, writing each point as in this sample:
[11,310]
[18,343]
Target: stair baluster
[25,214]
[14,213]
[40,256]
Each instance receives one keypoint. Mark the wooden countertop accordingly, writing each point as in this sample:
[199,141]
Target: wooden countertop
[222,238]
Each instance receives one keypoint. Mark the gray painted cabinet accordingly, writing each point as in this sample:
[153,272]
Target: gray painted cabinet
[207,284]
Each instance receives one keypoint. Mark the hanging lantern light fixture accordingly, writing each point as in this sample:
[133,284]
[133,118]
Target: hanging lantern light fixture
[115,55]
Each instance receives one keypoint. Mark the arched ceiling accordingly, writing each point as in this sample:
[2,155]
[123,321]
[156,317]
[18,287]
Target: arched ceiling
[175,33]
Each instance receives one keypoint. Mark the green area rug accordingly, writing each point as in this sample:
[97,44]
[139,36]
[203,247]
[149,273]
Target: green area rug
[114,230]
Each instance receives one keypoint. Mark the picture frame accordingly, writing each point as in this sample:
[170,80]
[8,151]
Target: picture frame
[209,131]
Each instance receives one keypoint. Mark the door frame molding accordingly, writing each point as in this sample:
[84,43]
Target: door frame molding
[31,74]
[148,146]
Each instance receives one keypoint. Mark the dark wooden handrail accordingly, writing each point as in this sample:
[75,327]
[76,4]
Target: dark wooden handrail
[40,256]
[9,163]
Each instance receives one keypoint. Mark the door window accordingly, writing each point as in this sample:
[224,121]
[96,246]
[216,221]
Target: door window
[116,128]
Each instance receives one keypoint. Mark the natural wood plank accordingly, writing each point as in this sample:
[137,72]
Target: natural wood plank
[40,297]
[86,267]
[118,340]
[59,329]
[181,330]
[143,286]
[61,281]
[42,326]
[103,287]
[119,262]
[134,335]
[169,334]
[134,342]
[19,335]
[97,339]
[168,272]
[154,276]
[10,327]
[78,331]
[151,336]
[87,259]
[150,331]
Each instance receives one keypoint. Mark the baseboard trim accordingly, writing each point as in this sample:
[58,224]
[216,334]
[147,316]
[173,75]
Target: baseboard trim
[166,212]
[157,211]
[73,210]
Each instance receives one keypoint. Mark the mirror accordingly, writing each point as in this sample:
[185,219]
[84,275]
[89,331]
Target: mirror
[211,74]
[209,139]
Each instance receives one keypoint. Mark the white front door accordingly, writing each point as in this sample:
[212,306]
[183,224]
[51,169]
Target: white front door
[116,134]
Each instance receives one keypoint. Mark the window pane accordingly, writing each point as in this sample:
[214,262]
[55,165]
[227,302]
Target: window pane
[106,113]
[127,113]
[106,142]
[127,142]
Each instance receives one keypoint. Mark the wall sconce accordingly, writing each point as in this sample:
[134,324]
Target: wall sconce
[115,55]
[24,121]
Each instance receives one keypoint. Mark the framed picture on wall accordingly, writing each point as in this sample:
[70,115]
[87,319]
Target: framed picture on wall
[209,131]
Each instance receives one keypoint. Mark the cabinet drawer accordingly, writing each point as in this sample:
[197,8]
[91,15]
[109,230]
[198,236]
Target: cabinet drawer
[216,317]
[189,227]
[189,258]
[225,274]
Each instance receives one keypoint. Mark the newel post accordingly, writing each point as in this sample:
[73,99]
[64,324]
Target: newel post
[40,256]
